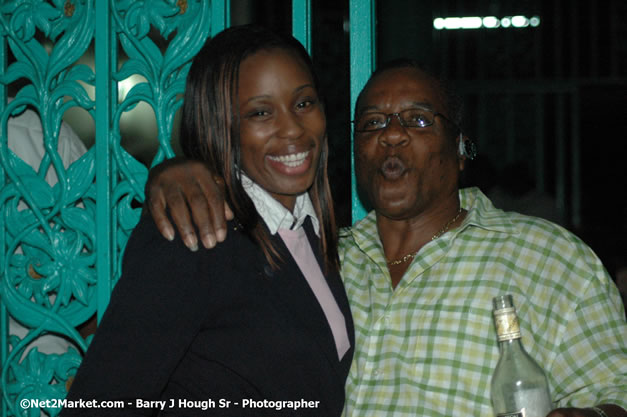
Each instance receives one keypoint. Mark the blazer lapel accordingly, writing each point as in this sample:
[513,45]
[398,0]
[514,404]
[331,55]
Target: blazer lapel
[337,288]
[293,295]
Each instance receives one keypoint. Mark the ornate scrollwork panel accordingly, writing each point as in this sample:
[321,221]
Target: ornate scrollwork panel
[49,252]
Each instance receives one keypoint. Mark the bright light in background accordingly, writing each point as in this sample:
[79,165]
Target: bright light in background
[471,22]
[458,23]
[438,23]
[127,84]
[487,22]
[491,22]
[520,21]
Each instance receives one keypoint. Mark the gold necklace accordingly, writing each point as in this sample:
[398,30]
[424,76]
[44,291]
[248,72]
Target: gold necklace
[447,225]
[410,256]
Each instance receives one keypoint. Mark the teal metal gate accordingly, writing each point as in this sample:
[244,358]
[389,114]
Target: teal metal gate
[61,243]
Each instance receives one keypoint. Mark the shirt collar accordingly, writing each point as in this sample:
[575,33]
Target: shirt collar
[481,213]
[274,214]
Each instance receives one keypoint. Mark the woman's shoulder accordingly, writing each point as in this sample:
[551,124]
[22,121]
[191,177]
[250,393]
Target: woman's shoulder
[154,265]
[146,241]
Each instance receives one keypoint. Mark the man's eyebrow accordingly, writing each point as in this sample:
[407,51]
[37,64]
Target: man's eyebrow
[411,105]
[423,105]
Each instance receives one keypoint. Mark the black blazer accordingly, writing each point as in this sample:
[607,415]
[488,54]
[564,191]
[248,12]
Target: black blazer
[213,325]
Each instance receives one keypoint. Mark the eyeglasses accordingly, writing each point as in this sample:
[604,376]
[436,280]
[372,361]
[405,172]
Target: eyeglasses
[372,121]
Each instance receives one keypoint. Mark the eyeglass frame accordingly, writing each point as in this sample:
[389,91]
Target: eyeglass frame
[467,147]
[388,118]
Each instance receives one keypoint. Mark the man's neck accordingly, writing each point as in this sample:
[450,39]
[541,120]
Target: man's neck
[402,239]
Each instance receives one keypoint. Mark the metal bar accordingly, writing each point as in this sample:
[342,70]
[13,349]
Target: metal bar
[558,41]
[614,40]
[593,55]
[4,327]
[540,176]
[220,16]
[575,159]
[560,158]
[574,41]
[362,63]
[301,22]
[104,253]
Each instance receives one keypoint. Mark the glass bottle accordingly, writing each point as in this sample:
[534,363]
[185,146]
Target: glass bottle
[519,385]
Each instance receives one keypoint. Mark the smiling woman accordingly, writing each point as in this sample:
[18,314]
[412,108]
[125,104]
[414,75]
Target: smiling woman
[282,125]
[256,319]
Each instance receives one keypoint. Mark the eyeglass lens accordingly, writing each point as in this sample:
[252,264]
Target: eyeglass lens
[407,118]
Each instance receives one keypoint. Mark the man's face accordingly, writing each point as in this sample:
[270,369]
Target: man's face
[406,172]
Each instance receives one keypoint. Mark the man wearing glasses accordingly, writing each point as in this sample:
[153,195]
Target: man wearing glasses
[422,268]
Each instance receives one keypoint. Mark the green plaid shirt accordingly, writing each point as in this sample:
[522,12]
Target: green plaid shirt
[428,348]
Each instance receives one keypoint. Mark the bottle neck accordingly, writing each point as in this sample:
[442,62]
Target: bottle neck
[507,327]
[510,345]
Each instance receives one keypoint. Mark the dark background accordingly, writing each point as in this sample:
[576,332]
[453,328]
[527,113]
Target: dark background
[547,106]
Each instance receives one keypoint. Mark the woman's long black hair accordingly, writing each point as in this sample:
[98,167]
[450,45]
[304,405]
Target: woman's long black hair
[210,128]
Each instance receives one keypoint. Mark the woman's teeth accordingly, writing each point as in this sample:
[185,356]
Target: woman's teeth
[292,160]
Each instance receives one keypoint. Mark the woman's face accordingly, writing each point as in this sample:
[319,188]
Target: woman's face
[282,124]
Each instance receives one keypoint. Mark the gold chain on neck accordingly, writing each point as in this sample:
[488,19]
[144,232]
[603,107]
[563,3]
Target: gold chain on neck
[443,230]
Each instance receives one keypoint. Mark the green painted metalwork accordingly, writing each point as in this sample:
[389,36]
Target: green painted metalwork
[220,16]
[301,22]
[47,273]
[61,244]
[104,62]
[362,63]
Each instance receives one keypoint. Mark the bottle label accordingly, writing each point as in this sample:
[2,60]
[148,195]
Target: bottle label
[520,413]
[506,323]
